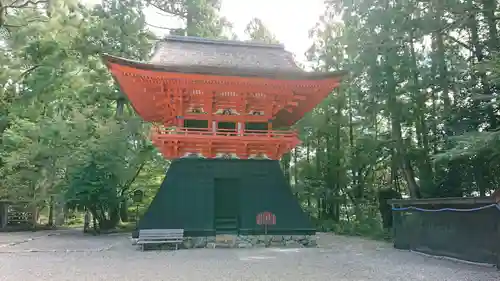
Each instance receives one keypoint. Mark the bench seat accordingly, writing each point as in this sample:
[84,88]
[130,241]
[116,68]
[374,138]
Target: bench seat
[160,236]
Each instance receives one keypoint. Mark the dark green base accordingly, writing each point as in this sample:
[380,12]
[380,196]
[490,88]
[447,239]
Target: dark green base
[206,197]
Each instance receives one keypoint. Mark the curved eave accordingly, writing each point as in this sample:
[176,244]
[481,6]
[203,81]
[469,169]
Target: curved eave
[143,104]
[286,118]
[225,71]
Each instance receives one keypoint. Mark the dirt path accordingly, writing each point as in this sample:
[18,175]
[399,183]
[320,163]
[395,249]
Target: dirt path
[70,256]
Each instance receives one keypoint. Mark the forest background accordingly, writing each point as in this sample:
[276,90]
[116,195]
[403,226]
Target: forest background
[417,114]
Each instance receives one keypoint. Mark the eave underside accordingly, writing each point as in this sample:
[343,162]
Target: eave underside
[146,84]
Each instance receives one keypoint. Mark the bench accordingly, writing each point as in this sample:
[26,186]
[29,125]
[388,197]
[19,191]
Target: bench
[160,236]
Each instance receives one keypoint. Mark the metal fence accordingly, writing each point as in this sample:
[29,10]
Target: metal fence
[462,228]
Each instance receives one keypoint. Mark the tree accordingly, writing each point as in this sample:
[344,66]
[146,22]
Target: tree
[257,31]
[417,114]
[408,101]
[201,17]
[80,107]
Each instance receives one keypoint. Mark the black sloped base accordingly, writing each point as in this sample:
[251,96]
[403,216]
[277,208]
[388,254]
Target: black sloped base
[201,195]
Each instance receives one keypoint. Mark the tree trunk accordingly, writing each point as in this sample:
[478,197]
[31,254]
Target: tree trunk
[426,175]
[51,212]
[124,211]
[400,149]
[285,165]
[489,9]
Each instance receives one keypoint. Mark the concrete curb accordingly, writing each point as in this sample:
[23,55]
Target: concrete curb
[452,259]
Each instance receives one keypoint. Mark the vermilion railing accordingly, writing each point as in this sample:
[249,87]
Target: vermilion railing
[177,141]
[204,132]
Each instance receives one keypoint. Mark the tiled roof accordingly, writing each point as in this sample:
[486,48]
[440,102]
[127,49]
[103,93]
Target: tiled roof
[180,51]
[195,55]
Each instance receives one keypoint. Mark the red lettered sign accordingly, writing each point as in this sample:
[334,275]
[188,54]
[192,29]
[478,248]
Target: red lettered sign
[266,218]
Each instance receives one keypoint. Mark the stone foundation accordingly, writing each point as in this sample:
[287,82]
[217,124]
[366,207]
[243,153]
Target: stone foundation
[242,241]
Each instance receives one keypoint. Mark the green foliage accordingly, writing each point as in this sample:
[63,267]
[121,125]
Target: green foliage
[65,128]
[201,17]
[257,31]
[417,113]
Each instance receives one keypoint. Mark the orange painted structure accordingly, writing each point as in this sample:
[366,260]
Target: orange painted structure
[218,98]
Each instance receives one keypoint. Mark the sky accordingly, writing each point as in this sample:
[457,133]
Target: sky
[289,20]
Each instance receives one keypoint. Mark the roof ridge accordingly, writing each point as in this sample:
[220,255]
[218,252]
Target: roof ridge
[200,40]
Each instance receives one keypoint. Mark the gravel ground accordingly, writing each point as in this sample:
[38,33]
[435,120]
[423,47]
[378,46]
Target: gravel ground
[72,256]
